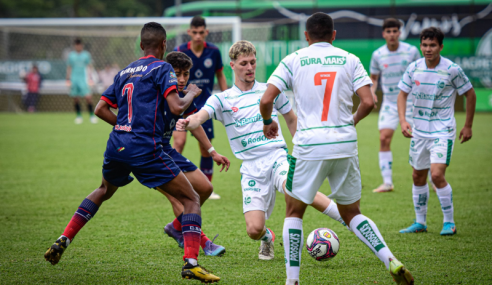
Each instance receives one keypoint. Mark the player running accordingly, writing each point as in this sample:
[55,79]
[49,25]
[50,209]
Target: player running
[207,63]
[433,81]
[264,168]
[324,79]
[390,62]
[182,64]
[139,92]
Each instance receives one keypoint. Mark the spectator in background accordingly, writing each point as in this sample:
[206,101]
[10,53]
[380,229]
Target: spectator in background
[106,75]
[33,81]
[79,68]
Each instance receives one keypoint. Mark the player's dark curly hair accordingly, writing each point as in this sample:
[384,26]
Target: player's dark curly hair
[179,60]
[152,35]
[432,33]
[391,23]
[320,27]
[198,21]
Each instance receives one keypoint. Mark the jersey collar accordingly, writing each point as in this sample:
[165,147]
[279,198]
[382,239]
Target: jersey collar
[322,44]
[440,60]
[149,56]
[240,91]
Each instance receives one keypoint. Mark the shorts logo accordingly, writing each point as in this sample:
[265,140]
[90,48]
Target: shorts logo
[247,200]
[387,107]
[417,82]
[208,63]
[439,155]
[436,141]
[121,149]
[391,89]
[235,109]
[404,63]
[252,183]
[283,172]
[198,73]
[382,118]
[421,113]
[412,144]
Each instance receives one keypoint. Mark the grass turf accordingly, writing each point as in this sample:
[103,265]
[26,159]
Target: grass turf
[48,165]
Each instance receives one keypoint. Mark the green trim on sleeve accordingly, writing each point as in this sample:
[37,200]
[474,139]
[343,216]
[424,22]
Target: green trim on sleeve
[212,109]
[219,101]
[287,68]
[286,86]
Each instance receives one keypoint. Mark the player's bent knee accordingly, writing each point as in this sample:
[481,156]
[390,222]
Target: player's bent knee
[255,231]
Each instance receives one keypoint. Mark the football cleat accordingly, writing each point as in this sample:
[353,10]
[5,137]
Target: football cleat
[448,229]
[79,120]
[212,249]
[214,196]
[54,253]
[292,282]
[93,119]
[197,272]
[175,234]
[384,188]
[266,249]
[414,228]
[400,274]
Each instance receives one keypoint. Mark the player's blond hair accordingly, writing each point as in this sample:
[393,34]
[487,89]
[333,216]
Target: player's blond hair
[241,48]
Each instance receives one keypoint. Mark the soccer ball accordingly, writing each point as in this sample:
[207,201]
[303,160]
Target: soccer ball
[322,244]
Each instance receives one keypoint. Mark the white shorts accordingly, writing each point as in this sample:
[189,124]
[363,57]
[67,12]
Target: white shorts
[424,152]
[388,115]
[260,178]
[306,176]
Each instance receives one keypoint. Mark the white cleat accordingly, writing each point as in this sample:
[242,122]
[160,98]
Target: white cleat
[94,119]
[214,196]
[292,282]
[384,188]
[79,120]
[266,251]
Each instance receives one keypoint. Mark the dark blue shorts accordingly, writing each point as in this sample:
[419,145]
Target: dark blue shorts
[208,126]
[182,162]
[151,173]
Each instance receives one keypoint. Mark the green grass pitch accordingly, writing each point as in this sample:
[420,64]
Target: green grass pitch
[48,165]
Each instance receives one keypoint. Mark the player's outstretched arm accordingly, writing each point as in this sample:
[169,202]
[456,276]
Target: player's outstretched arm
[471,101]
[192,122]
[374,87]
[178,105]
[366,103]
[204,142]
[401,102]
[104,113]
[270,127]
[291,120]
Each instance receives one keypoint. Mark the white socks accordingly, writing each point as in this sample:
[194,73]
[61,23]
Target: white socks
[420,200]
[332,212]
[385,164]
[267,237]
[367,231]
[293,242]
[446,198]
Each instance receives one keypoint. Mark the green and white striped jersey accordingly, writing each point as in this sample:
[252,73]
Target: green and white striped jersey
[434,94]
[390,66]
[239,112]
[323,79]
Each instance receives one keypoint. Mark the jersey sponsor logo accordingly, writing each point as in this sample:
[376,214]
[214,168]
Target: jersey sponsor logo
[329,60]
[385,65]
[404,63]
[295,245]
[393,74]
[198,73]
[245,121]
[247,200]
[123,128]
[235,109]
[436,141]
[440,84]
[208,63]
[283,173]
[261,138]
[134,69]
[417,82]
[432,97]
[252,183]
[439,155]
[369,234]
[428,114]
[251,187]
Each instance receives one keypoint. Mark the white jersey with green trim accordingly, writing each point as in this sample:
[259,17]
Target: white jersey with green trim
[434,94]
[323,79]
[239,112]
[390,66]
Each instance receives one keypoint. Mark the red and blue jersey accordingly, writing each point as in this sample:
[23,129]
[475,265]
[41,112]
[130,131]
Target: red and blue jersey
[171,119]
[203,71]
[139,93]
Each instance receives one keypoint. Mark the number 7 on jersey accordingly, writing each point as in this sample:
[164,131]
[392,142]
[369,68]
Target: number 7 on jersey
[330,79]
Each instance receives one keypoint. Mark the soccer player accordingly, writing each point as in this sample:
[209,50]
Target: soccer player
[390,62]
[207,63]
[324,79]
[434,81]
[264,168]
[139,92]
[33,83]
[78,69]
[182,64]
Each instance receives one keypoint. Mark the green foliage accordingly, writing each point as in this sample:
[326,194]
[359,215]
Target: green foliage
[48,165]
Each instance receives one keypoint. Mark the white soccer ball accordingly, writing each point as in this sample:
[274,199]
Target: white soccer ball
[322,244]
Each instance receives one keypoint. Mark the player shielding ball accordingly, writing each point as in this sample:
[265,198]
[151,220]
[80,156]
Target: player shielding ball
[182,64]
[265,163]
[135,146]
[324,79]
[433,81]
[389,63]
